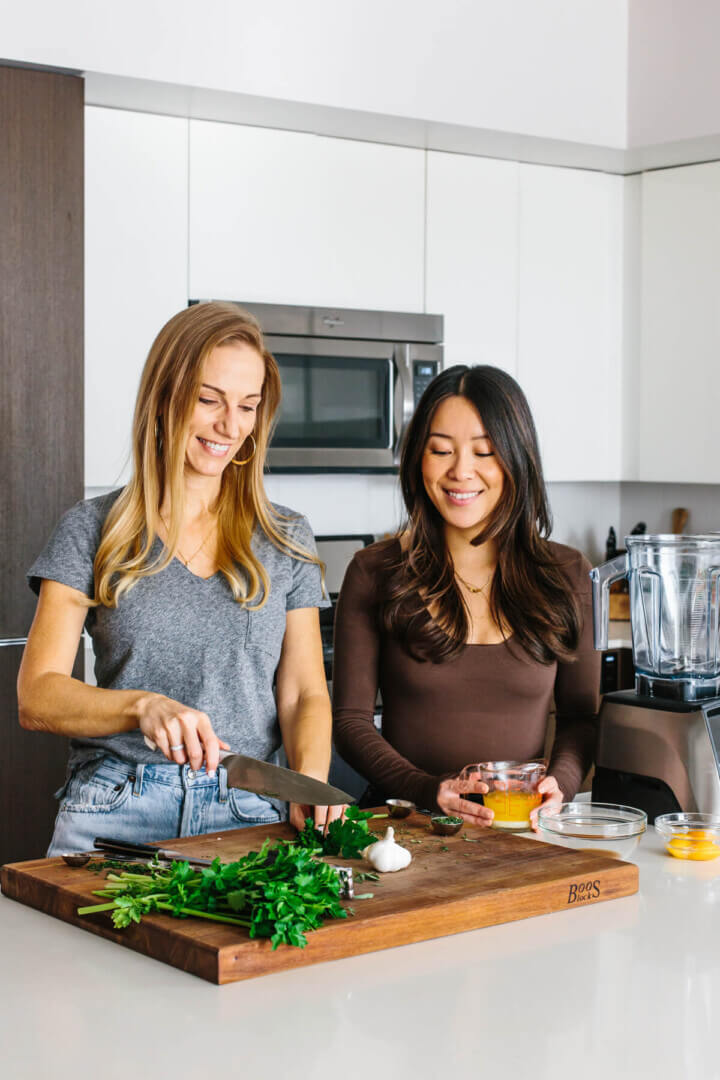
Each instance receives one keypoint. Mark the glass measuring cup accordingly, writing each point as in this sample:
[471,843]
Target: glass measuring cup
[512,790]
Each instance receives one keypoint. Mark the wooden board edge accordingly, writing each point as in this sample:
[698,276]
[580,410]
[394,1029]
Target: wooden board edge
[146,938]
[337,940]
[428,923]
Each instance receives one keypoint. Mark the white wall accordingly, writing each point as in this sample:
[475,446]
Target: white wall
[673,72]
[337,504]
[582,512]
[582,515]
[552,69]
[358,504]
[654,504]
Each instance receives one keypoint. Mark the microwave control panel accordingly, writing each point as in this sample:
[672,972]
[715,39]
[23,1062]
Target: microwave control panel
[424,371]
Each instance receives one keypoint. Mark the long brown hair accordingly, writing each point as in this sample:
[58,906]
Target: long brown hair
[169,389]
[530,593]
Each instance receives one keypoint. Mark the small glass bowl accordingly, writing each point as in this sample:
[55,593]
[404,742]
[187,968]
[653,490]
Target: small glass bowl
[446,824]
[399,808]
[600,828]
[690,836]
[512,790]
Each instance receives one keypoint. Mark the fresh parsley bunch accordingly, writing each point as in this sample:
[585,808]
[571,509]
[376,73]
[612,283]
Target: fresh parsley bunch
[280,892]
[347,837]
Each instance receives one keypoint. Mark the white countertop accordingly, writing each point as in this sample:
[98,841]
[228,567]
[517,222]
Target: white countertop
[625,988]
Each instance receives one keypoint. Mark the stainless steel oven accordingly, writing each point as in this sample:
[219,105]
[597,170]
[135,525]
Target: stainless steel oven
[351,381]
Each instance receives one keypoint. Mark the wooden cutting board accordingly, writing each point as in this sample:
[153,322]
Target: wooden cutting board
[478,878]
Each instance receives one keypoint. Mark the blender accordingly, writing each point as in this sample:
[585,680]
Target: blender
[658,745]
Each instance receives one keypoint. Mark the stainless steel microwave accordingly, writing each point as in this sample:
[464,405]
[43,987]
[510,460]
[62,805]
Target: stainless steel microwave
[351,381]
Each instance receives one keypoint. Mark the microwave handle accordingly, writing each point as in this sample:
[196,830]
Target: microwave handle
[404,403]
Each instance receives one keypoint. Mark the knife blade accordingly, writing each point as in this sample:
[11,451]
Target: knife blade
[276,782]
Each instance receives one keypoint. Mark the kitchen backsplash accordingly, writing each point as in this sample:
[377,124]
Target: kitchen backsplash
[654,503]
[582,513]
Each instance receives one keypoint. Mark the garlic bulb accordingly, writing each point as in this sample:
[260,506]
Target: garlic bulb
[386,856]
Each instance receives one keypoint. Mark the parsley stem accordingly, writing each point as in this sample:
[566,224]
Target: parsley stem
[95,908]
[204,915]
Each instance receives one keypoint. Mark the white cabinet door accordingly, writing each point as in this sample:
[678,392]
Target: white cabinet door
[135,268]
[471,257]
[570,318]
[283,217]
[679,383]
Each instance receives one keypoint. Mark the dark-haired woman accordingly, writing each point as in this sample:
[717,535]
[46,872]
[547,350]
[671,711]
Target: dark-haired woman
[469,621]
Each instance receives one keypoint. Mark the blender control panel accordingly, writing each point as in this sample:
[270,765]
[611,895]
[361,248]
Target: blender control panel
[424,371]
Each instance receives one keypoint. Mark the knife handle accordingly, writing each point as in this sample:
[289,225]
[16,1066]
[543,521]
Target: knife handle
[129,849]
[105,843]
[154,746]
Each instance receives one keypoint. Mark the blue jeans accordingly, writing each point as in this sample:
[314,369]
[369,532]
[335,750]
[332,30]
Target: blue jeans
[114,798]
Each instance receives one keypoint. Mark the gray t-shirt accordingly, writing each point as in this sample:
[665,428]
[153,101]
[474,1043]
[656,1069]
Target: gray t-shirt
[185,637]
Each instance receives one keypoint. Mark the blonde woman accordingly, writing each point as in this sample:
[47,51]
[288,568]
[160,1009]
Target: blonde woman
[198,594]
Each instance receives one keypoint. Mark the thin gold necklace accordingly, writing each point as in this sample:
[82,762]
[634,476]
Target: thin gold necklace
[474,588]
[195,553]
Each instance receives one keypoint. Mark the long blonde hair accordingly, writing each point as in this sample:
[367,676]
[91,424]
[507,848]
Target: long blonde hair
[169,389]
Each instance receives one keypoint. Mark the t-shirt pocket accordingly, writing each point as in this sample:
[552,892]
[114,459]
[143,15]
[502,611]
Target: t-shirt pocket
[266,630]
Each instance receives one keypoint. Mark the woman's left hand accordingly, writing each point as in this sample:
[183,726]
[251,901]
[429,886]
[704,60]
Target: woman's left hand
[552,796]
[320,815]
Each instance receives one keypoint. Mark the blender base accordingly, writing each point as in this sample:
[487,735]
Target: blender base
[659,756]
[632,789]
[676,689]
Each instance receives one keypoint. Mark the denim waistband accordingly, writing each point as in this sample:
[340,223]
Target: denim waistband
[179,776]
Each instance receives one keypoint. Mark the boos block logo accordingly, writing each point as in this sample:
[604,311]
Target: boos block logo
[580,891]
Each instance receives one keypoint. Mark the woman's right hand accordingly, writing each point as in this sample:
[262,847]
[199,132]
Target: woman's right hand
[183,735]
[450,800]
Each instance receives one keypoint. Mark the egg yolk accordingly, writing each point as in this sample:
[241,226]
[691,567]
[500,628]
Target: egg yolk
[695,844]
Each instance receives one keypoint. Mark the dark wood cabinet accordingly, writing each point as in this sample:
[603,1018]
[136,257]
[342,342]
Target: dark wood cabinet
[41,399]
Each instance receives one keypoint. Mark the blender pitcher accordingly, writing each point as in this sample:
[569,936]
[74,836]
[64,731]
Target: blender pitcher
[674,600]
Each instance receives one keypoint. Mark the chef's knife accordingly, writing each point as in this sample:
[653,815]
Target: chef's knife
[275,782]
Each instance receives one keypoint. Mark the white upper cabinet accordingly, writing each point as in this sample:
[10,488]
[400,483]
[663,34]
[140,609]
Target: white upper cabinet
[526,264]
[471,257]
[282,217]
[135,268]
[679,376]
[570,318]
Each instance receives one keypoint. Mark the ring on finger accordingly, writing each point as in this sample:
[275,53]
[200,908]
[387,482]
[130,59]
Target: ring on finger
[181,746]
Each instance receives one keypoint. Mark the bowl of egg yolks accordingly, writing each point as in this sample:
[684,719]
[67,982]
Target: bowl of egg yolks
[690,836]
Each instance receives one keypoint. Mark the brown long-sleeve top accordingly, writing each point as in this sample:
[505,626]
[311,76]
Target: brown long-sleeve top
[489,703]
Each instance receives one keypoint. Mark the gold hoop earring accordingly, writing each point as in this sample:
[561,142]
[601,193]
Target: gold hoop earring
[251,456]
